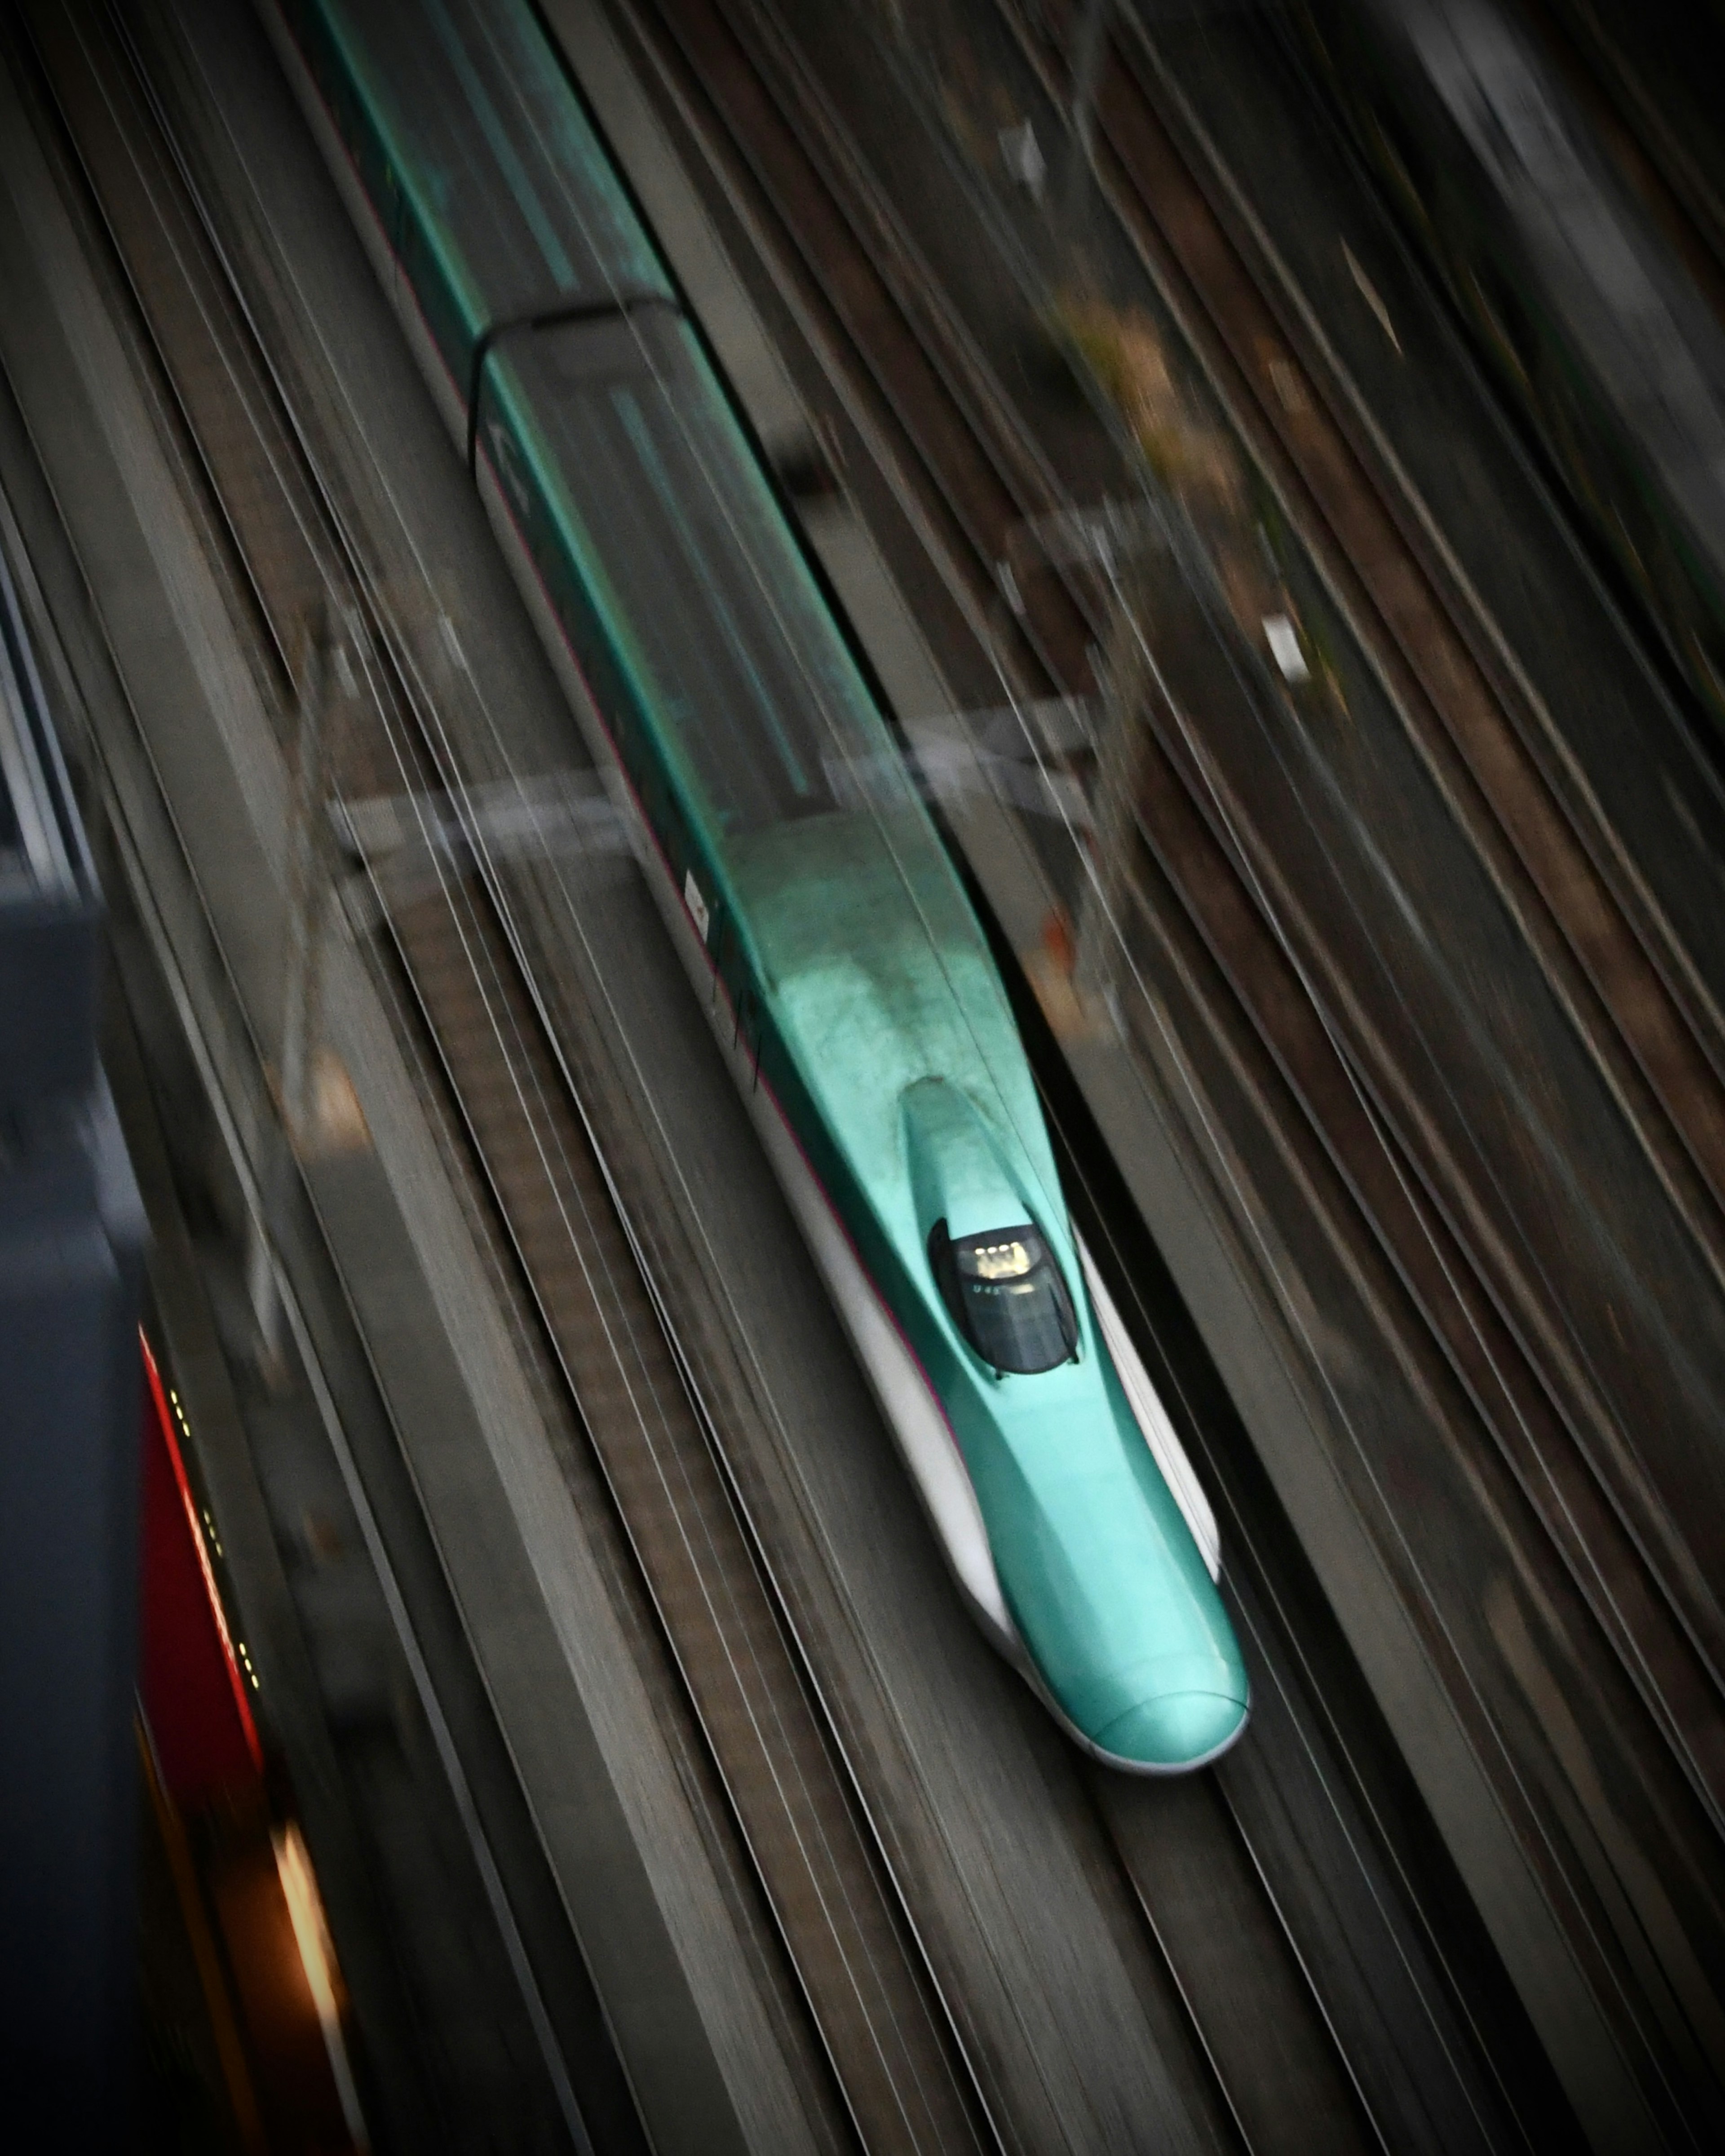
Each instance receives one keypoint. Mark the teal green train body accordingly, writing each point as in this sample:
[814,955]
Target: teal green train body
[805,883]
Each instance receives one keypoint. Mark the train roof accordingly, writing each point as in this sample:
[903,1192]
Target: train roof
[877,961]
[479,121]
[659,493]
[837,877]
[735,648]
[1648,337]
[857,918]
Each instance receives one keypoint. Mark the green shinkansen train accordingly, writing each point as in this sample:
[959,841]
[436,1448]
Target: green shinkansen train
[807,891]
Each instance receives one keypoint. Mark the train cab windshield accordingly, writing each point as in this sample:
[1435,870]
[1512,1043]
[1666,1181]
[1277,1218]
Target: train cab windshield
[1006,1296]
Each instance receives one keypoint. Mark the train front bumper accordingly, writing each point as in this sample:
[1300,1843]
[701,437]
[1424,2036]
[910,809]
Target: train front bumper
[1171,1735]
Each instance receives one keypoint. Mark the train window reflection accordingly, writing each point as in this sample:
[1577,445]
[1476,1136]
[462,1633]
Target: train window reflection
[1006,1296]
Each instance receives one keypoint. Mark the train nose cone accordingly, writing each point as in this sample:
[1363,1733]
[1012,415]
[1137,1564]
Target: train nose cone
[1179,1729]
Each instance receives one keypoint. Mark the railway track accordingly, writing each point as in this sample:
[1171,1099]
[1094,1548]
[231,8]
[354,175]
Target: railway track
[896,2070]
[731,74]
[1649,1552]
[1640,1560]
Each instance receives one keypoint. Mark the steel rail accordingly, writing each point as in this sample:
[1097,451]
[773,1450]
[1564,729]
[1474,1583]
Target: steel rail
[1519,434]
[375,1542]
[1365,1129]
[341,561]
[1207,252]
[1650,156]
[209,500]
[1322,1737]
